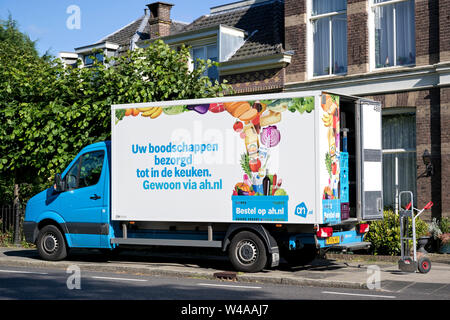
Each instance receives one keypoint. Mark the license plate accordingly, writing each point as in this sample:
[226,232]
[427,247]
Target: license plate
[333,240]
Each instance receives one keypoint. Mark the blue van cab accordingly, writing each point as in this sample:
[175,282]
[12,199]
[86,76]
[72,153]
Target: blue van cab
[75,211]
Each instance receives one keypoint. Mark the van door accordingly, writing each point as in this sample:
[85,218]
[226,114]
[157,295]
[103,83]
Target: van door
[370,171]
[82,204]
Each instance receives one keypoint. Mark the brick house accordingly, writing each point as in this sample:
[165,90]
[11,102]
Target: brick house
[245,37]
[393,51]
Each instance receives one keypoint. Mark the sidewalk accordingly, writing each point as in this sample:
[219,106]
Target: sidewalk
[323,273]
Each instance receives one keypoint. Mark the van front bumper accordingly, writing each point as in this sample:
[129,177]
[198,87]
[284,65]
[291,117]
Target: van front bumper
[30,231]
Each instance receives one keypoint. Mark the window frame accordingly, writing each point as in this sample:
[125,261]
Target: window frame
[205,52]
[310,18]
[372,35]
[79,162]
[398,152]
[87,56]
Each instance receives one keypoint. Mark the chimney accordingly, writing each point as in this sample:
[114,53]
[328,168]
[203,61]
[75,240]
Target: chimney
[159,19]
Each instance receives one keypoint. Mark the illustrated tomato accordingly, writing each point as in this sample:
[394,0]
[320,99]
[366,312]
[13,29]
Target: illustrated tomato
[254,165]
[238,126]
[217,107]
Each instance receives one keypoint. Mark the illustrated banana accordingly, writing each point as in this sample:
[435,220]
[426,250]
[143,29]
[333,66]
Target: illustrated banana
[327,120]
[145,109]
[157,113]
[148,113]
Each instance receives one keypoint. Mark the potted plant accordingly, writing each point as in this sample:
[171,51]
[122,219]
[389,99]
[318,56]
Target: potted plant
[434,231]
[444,237]
[439,231]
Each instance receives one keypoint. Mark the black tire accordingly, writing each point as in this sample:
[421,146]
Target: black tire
[247,252]
[51,244]
[301,257]
[424,265]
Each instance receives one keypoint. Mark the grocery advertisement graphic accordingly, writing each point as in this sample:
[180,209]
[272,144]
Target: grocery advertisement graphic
[256,188]
[330,130]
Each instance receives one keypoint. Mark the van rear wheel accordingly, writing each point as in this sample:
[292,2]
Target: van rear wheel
[51,244]
[247,252]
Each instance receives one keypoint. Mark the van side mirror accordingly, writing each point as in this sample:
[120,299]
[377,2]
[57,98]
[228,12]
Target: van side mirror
[59,183]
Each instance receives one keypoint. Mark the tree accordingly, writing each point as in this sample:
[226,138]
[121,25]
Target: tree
[49,111]
[21,68]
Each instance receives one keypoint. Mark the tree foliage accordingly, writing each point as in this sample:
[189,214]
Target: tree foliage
[50,111]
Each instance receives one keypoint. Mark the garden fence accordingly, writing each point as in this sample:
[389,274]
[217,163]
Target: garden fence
[10,221]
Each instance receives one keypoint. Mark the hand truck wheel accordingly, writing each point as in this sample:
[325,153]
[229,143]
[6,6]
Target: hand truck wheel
[424,265]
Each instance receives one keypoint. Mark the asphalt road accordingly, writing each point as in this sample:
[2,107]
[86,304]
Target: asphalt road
[52,284]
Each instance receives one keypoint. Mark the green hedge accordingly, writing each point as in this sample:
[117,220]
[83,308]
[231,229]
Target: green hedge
[385,234]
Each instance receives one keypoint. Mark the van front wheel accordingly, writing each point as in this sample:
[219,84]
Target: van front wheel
[247,252]
[51,244]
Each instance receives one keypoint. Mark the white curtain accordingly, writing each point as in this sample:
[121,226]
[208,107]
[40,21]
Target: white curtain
[406,42]
[399,131]
[321,40]
[339,44]
[404,30]
[321,37]
[325,6]
[384,36]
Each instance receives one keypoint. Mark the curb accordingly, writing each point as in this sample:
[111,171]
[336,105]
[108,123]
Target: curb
[303,282]
[208,275]
[434,257]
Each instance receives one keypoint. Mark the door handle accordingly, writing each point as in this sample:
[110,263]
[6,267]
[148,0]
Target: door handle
[95,197]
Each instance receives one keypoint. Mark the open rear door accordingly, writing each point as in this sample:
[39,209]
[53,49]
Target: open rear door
[370,161]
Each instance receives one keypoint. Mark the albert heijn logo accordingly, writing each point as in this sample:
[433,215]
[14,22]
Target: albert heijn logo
[301,210]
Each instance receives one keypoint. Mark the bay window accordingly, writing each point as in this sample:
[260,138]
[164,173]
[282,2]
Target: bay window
[329,23]
[394,33]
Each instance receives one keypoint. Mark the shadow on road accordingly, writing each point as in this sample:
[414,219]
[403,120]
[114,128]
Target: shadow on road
[161,256]
[44,287]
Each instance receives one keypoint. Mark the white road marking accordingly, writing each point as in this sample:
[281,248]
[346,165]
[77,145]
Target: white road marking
[409,285]
[434,291]
[358,294]
[120,279]
[226,285]
[24,272]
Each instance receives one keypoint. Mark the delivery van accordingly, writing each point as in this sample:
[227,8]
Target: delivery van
[259,177]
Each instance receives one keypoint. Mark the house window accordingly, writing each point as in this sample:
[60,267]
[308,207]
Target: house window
[399,140]
[394,33]
[88,60]
[204,53]
[329,23]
